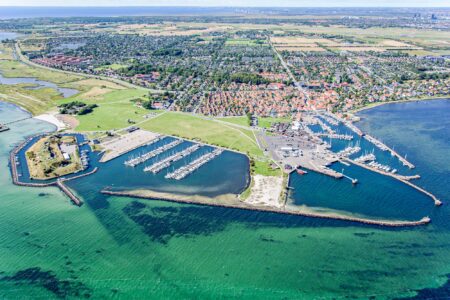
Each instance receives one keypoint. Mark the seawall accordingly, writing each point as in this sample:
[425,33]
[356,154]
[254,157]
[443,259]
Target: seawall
[176,198]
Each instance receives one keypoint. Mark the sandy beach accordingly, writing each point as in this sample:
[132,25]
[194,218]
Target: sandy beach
[266,191]
[50,118]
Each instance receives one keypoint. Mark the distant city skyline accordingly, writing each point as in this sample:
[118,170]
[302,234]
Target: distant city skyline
[232,3]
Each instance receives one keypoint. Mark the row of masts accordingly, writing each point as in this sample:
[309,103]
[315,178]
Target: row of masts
[146,156]
[166,162]
[184,171]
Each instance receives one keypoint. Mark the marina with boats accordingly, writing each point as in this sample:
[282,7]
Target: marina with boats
[134,161]
[305,149]
[193,166]
[166,162]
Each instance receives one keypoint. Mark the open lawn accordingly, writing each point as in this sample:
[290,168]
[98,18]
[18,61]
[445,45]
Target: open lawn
[264,122]
[112,116]
[111,67]
[241,120]
[268,121]
[264,168]
[192,127]
[103,94]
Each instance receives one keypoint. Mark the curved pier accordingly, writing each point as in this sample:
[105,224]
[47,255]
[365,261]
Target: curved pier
[401,178]
[241,205]
[437,202]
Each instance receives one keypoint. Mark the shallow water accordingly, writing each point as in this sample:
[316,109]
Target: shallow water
[4,35]
[156,249]
[37,84]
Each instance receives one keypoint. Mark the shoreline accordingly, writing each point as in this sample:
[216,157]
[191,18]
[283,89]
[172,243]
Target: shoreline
[52,119]
[376,104]
[201,200]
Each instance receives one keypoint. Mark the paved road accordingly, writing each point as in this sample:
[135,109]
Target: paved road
[289,72]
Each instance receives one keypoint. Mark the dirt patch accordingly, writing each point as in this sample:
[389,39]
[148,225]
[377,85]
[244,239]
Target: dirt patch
[100,83]
[95,92]
[70,121]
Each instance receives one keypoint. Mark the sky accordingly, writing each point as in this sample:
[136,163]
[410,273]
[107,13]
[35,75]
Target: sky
[247,3]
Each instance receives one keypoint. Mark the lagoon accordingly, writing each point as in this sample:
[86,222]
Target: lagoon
[35,83]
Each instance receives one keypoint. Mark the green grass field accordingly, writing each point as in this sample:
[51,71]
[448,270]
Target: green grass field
[263,168]
[214,133]
[112,67]
[268,121]
[111,116]
[264,122]
[242,120]
[112,96]
[243,42]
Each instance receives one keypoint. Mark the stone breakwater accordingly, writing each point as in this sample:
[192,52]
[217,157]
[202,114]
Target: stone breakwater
[13,162]
[242,205]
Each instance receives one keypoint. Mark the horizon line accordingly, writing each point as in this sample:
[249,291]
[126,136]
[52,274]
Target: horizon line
[214,6]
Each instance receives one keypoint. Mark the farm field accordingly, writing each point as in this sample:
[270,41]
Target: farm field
[172,29]
[243,42]
[315,44]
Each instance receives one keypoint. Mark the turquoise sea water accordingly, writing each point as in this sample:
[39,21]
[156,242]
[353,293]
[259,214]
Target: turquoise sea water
[124,248]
